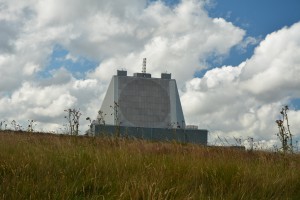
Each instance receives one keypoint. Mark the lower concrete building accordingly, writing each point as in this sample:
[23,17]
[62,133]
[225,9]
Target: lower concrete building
[154,134]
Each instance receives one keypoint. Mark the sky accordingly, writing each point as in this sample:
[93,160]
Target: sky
[236,62]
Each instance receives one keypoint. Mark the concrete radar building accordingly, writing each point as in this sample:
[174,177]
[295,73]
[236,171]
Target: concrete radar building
[145,107]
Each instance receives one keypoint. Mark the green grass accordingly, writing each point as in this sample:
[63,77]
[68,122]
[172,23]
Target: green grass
[45,166]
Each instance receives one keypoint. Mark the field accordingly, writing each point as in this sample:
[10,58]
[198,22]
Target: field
[46,166]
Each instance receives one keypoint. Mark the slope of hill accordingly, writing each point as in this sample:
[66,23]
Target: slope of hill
[47,166]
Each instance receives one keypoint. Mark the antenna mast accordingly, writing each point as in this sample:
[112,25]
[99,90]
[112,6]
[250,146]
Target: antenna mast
[144,65]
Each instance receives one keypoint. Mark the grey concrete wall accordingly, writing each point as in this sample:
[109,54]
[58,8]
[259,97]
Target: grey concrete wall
[109,101]
[154,134]
[143,102]
[176,111]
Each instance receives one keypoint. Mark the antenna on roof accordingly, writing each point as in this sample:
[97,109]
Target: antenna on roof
[144,65]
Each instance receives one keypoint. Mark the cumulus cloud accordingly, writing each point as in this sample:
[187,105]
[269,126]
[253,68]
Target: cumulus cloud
[46,104]
[245,100]
[175,39]
[231,100]
[276,63]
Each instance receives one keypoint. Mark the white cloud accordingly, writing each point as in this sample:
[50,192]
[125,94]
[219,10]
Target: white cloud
[71,57]
[248,41]
[275,63]
[233,101]
[177,37]
[245,100]
[46,104]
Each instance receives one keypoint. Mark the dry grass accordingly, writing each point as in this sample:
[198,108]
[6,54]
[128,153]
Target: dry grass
[45,166]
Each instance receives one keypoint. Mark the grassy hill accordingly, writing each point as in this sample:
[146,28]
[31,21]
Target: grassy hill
[46,166]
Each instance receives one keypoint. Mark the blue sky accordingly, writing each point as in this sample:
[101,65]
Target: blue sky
[59,58]
[232,79]
[257,17]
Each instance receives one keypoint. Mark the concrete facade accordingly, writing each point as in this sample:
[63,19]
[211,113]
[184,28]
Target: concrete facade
[142,101]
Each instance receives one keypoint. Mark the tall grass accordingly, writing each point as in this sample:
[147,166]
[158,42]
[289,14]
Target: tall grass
[45,166]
